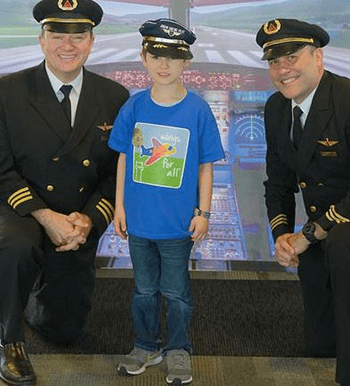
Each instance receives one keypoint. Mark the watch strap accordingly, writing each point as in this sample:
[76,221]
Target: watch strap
[309,232]
[202,213]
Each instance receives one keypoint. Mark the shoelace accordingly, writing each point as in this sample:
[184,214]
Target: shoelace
[178,360]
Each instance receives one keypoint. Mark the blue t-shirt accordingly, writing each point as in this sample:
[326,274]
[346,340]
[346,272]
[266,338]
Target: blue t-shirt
[164,147]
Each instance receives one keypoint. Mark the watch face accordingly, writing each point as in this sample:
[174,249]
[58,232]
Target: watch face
[199,212]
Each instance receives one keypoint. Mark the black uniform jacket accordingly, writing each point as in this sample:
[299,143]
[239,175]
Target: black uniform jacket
[320,167]
[44,163]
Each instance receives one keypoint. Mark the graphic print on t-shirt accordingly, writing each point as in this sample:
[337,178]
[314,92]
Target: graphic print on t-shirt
[159,154]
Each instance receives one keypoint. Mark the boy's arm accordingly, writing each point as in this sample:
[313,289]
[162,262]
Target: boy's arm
[119,216]
[200,225]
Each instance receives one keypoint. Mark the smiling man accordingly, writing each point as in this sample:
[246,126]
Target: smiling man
[66,53]
[56,182]
[308,147]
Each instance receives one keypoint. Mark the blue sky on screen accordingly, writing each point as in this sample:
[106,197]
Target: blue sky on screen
[122,9]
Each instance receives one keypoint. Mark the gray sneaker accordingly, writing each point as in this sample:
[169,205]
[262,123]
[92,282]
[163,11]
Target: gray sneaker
[179,367]
[137,361]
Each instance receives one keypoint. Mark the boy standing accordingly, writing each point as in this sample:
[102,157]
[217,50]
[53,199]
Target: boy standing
[167,138]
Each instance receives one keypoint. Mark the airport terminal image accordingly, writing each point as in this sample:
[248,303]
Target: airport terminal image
[269,282]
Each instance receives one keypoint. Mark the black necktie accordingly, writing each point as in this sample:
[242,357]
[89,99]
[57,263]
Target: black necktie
[297,128]
[66,89]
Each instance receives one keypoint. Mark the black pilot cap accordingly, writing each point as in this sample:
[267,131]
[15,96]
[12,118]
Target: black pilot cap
[68,16]
[167,37]
[282,37]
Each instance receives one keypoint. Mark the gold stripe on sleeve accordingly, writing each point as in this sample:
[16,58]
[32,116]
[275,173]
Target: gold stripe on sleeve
[108,206]
[280,219]
[103,212]
[17,198]
[15,194]
[14,206]
[333,216]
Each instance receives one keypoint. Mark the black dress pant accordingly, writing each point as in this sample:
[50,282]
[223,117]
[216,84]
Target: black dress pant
[324,273]
[53,288]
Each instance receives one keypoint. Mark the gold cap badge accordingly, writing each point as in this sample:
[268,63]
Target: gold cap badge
[272,27]
[67,5]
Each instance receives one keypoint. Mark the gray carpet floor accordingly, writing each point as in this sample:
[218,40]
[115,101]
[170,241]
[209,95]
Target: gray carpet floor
[231,318]
[64,369]
[100,370]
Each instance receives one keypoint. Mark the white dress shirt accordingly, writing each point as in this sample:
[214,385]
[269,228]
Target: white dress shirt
[77,84]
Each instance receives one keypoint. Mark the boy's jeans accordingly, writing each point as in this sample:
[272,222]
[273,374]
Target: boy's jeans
[161,267]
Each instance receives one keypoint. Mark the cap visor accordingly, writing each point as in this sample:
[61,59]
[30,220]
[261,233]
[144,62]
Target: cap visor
[174,52]
[69,28]
[279,50]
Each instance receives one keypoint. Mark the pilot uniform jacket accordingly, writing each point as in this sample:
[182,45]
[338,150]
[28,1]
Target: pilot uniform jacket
[321,169]
[41,165]
[45,163]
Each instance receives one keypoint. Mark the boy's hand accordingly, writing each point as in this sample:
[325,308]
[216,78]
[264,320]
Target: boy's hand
[199,226]
[120,223]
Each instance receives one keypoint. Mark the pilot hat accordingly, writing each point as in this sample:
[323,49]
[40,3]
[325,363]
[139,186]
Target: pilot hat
[167,37]
[282,37]
[67,16]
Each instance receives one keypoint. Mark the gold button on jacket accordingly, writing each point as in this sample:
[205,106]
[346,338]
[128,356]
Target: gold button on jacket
[86,163]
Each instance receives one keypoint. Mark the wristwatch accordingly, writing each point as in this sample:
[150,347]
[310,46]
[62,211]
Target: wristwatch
[308,231]
[202,213]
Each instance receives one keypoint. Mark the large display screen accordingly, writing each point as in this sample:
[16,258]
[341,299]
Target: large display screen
[227,72]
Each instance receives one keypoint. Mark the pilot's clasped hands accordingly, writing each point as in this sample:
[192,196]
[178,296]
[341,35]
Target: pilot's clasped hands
[66,232]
